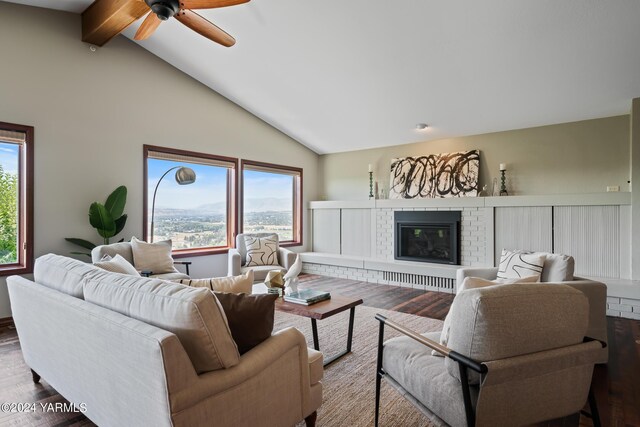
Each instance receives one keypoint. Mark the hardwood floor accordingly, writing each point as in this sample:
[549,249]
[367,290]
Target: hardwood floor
[616,385]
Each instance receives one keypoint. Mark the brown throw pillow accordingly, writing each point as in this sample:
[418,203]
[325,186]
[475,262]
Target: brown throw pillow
[250,317]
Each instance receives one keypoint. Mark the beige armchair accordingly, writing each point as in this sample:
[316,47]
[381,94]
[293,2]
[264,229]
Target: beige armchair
[516,355]
[238,259]
[124,250]
[595,291]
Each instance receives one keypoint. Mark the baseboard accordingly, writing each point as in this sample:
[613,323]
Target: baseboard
[6,321]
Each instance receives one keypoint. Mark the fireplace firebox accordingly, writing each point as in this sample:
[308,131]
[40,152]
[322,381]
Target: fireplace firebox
[427,236]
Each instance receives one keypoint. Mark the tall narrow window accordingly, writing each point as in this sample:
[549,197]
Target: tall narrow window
[190,199]
[272,201]
[16,199]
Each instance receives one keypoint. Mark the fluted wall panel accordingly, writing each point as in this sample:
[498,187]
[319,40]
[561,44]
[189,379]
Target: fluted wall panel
[591,234]
[523,228]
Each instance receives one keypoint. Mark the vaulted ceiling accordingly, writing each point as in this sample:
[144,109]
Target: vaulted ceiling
[347,75]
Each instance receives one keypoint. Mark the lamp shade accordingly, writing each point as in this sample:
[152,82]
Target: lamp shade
[185,176]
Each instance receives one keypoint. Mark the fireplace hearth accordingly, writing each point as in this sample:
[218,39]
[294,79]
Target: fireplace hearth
[427,236]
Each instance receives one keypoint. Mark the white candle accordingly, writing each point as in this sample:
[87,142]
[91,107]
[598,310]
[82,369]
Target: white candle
[503,166]
[370,168]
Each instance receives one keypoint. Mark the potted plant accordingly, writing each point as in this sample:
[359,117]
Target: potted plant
[108,219]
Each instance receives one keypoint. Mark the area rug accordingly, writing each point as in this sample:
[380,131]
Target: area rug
[349,383]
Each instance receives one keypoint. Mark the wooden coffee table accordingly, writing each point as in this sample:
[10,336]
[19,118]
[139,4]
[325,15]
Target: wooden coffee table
[322,310]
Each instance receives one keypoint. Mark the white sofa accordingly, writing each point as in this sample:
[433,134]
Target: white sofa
[128,372]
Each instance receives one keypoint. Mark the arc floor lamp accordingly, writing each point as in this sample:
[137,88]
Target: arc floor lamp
[184,176]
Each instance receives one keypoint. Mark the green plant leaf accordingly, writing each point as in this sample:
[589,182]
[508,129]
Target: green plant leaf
[80,253]
[101,220]
[80,242]
[120,222]
[116,202]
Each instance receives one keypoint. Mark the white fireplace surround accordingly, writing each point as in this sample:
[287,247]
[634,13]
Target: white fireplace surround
[354,239]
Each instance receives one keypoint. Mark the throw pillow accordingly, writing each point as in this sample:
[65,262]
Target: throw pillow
[117,264]
[516,265]
[154,257]
[250,317]
[261,250]
[557,268]
[232,284]
[473,283]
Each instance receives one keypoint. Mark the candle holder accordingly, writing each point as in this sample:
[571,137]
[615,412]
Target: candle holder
[503,186]
[370,185]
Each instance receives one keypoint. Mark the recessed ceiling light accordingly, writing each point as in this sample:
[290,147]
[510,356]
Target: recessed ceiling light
[421,126]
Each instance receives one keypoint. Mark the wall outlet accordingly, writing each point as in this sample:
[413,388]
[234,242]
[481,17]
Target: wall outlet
[613,188]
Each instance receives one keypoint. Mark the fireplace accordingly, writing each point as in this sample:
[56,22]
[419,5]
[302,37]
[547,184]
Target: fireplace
[427,236]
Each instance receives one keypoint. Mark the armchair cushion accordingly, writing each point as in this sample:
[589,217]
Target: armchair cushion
[497,322]
[155,257]
[557,268]
[193,315]
[516,264]
[260,272]
[117,264]
[250,317]
[261,250]
[412,366]
[242,248]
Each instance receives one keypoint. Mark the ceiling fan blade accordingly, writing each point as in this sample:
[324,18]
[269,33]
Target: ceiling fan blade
[209,4]
[148,26]
[203,27]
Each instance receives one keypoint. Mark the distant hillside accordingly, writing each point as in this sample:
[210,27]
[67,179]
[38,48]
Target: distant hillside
[267,204]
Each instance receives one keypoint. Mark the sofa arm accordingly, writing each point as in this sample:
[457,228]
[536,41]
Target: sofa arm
[282,356]
[484,273]
[235,262]
[286,258]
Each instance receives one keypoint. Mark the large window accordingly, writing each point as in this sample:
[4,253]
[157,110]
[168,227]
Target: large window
[16,199]
[194,197]
[272,201]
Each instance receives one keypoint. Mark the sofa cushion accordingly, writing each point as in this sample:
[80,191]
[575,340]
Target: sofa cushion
[62,273]
[250,317]
[193,314]
[155,257]
[232,284]
[121,248]
[557,268]
[117,264]
[517,264]
[170,276]
[497,322]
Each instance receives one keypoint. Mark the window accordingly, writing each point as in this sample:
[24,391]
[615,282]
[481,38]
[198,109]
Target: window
[16,199]
[272,201]
[198,216]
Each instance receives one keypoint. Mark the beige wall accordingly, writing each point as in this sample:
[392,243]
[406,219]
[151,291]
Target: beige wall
[578,157]
[92,112]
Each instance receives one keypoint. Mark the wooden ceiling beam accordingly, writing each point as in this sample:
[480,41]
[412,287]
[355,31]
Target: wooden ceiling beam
[105,19]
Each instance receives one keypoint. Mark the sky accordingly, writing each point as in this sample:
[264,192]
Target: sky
[9,157]
[210,186]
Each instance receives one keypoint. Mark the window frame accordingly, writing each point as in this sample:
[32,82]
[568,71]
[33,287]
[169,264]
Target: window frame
[232,199]
[298,230]
[25,202]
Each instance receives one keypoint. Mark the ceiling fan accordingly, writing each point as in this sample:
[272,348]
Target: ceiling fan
[182,10]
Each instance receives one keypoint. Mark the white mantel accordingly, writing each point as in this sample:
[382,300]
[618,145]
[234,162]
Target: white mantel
[588,199]
[354,238]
